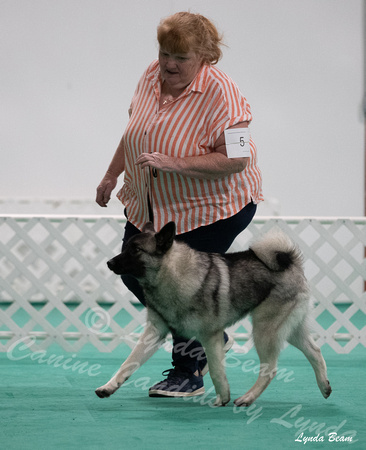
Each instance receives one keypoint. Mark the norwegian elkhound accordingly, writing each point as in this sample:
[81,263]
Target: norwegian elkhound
[196,294]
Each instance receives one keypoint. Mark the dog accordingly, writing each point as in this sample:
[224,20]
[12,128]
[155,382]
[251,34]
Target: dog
[197,294]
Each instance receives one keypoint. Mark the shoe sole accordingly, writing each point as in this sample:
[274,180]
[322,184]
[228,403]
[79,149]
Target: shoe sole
[161,393]
[227,347]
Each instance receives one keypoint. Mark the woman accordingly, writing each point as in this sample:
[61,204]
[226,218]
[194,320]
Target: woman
[177,163]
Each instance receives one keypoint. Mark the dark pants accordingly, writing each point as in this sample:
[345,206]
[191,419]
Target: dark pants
[215,238]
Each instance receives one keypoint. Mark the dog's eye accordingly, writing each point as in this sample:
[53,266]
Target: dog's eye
[137,249]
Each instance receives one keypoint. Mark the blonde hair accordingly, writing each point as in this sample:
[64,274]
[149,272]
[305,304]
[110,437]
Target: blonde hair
[184,32]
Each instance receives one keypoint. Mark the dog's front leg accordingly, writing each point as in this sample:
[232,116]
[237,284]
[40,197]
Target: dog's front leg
[146,346]
[214,348]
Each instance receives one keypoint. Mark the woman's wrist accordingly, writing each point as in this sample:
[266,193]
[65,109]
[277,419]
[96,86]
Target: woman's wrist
[112,173]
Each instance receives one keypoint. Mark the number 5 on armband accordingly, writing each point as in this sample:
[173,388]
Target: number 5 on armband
[237,142]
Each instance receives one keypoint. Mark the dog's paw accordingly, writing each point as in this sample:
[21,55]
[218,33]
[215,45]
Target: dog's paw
[245,400]
[102,393]
[221,401]
[325,389]
[105,391]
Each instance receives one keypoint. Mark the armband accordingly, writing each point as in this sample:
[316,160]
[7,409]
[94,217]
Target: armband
[237,142]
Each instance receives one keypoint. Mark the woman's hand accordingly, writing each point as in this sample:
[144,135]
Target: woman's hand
[157,161]
[105,189]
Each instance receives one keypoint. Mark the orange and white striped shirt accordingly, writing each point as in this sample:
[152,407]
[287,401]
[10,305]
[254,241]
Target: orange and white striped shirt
[188,126]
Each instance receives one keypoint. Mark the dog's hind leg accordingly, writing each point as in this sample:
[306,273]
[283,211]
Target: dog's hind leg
[268,354]
[214,349]
[301,339]
[269,334]
[146,346]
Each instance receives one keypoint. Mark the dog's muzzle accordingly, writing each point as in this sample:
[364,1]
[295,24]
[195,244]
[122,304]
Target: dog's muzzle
[112,265]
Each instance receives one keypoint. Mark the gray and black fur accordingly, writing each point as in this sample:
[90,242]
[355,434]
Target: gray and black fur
[197,294]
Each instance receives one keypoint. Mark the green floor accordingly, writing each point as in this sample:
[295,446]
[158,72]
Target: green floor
[44,404]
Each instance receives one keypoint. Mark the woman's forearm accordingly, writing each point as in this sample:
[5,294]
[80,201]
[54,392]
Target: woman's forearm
[109,181]
[117,165]
[211,166]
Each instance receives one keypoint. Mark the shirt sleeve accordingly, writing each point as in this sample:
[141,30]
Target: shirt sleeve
[148,73]
[231,108]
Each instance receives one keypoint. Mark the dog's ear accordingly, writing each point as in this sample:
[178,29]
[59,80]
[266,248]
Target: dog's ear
[165,237]
[148,228]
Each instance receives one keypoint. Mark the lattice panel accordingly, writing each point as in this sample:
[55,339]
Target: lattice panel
[55,286]
[335,265]
[53,270]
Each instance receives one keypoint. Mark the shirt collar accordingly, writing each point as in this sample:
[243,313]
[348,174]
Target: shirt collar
[200,82]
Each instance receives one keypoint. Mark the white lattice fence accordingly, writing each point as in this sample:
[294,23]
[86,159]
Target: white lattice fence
[55,286]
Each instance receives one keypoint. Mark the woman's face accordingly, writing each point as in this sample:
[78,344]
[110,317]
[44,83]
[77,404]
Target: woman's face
[179,70]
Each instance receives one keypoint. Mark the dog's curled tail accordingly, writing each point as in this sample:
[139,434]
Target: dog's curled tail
[277,251]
